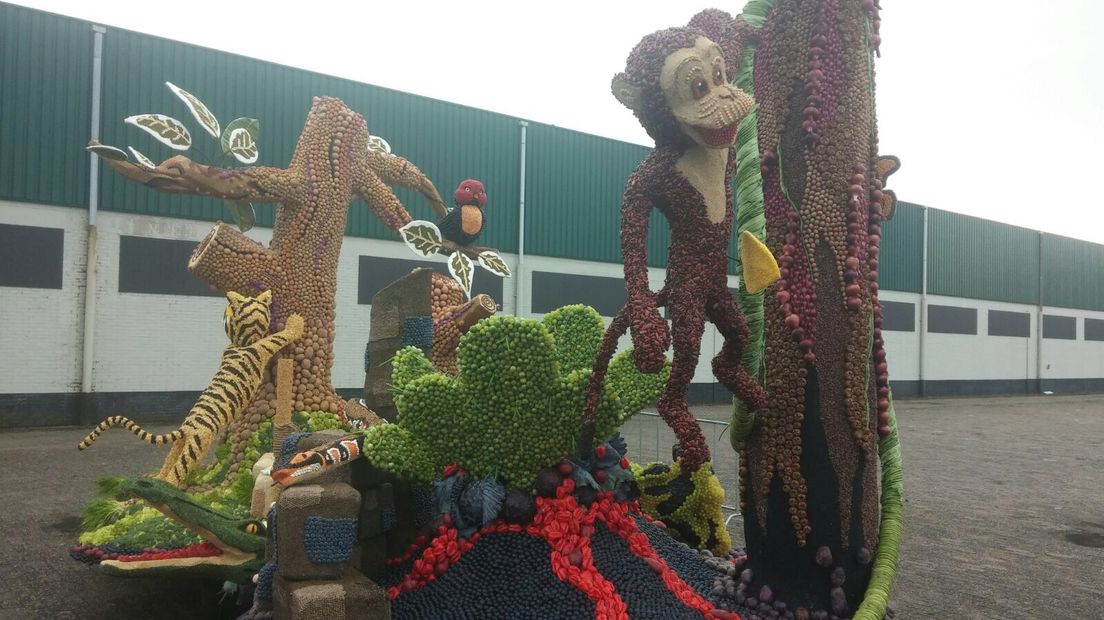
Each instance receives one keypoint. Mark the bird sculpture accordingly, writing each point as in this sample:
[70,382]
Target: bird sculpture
[463,224]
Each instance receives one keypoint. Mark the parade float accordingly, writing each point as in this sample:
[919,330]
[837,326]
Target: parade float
[483,474]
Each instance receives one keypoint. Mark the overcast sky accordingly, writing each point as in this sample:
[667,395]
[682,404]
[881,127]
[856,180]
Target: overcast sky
[994,107]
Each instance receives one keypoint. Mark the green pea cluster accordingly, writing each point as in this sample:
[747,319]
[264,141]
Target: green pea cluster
[636,389]
[577,331]
[513,408]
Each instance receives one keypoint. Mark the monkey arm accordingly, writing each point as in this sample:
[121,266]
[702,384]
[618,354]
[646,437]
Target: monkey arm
[180,175]
[650,334]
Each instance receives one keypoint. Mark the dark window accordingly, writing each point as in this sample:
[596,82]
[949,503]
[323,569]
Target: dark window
[159,266]
[31,256]
[553,290]
[1003,323]
[1059,327]
[898,316]
[1094,329]
[375,273]
[952,320]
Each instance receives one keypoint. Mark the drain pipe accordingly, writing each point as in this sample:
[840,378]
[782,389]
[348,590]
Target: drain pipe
[520,281]
[1039,325]
[923,322]
[88,343]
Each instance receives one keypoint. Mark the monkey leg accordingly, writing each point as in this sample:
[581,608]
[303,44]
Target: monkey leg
[614,332]
[687,325]
[722,312]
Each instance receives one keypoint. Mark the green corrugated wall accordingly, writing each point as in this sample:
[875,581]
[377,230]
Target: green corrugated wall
[45,106]
[1073,273]
[447,141]
[574,181]
[573,188]
[972,257]
[901,258]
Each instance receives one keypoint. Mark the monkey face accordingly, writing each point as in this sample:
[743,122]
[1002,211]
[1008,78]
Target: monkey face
[695,84]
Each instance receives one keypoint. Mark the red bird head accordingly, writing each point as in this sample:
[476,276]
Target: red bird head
[470,192]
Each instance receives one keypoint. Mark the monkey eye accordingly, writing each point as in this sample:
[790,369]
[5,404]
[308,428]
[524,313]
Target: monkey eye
[699,88]
[718,76]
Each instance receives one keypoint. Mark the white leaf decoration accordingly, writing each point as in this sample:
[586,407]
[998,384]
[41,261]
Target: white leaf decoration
[462,270]
[252,125]
[379,145]
[142,160]
[201,113]
[493,263]
[423,237]
[242,146]
[107,152]
[168,131]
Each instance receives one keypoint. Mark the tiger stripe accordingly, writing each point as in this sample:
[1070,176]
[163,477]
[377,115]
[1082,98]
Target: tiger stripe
[130,425]
[238,378]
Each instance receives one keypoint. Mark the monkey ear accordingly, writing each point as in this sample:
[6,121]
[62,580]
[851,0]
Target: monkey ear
[626,92]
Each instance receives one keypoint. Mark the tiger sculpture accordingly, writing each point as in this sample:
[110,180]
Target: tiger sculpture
[239,376]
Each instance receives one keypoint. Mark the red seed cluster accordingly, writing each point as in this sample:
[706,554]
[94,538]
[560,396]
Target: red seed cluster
[567,527]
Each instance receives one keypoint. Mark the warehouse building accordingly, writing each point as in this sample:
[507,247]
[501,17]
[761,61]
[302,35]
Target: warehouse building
[101,316]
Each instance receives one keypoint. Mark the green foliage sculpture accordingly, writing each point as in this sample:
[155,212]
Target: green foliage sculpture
[513,407]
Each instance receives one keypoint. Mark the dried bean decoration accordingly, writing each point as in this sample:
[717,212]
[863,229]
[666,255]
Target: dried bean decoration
[676,83]
[809,466]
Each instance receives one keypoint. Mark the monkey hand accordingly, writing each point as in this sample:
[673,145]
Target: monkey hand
[650,337]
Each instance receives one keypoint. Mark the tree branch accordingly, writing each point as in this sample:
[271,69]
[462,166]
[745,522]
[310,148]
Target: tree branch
[395,170]
[230,261]
[180,175]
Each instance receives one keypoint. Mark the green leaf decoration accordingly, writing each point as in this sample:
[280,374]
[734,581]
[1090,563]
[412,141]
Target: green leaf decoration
[142,160]
[462,270]
[168,131]
[408,364]
[107,152]
[243,213]
[252,125]
[577,331]
[201,113]
[379,145]
[242,146]
[423,237]
[876,599]
[493,263]
[509,412]
[755,13]
[635,389]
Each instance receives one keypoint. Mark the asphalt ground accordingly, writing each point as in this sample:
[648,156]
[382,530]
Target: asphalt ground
[1004,513]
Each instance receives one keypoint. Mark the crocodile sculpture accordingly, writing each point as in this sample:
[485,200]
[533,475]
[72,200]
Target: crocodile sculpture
[231,549]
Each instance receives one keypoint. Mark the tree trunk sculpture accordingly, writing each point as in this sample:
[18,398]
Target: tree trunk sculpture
[331,167]
[809,466]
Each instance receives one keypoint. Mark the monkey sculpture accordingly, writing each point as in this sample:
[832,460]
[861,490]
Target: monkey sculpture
[676,83]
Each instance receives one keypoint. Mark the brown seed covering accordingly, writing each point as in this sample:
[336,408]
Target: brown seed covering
[818,144]
[331,167]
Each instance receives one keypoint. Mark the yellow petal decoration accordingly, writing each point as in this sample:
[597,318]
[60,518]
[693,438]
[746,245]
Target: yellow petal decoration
[760,268]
